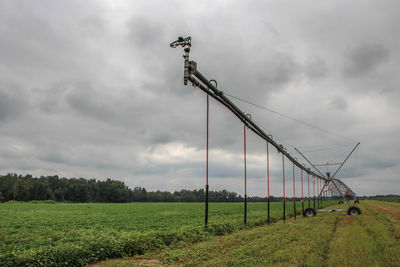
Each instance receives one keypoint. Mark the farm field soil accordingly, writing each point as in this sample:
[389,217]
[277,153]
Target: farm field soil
[329,239]
[78,234]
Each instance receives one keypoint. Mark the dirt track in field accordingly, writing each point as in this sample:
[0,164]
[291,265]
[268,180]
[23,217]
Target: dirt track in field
[392,208]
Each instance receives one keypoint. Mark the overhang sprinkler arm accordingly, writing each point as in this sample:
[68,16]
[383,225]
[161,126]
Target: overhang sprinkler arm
[348,156]
[191,69]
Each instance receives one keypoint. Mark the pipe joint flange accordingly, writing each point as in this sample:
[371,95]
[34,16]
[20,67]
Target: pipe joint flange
[192,67]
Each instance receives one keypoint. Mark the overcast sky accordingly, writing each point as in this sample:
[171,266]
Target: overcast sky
[92,89]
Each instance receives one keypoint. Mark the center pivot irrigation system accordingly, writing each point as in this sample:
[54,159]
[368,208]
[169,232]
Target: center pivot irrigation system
[327,186]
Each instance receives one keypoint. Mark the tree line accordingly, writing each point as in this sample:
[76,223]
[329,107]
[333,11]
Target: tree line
[27,188]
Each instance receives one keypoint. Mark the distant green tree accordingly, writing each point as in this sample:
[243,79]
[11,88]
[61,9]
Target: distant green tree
[26,188]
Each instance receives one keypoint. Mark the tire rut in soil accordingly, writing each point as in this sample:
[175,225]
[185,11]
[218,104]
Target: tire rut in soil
[328,245]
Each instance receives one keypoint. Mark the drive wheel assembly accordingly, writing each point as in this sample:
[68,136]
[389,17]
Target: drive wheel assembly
[353,211]
[309,212]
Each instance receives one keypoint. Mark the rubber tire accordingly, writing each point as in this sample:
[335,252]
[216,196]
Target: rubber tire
[309,212]
[340,202]
[353,210]
[356,202]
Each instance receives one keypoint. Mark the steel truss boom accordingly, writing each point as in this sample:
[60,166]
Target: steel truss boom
[335,184]
[205,85]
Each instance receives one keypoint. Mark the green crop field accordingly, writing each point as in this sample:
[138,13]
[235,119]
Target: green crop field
[78,234]
[330,239]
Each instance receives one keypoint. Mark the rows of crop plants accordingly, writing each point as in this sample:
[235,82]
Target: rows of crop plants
[77,234]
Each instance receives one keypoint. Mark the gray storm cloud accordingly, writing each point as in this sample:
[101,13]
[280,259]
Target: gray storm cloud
[92,89]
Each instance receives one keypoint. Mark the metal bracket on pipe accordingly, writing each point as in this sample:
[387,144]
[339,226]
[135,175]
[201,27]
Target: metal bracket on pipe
[192,67]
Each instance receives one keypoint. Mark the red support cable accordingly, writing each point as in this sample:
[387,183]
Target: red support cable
[313,185]
[322,188]
[302,198]
[294,187]
[308,181]
[267,170]
[283,163]
[319,186]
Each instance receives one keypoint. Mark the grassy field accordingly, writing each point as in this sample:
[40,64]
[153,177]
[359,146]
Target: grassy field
[78,234]
[333,239]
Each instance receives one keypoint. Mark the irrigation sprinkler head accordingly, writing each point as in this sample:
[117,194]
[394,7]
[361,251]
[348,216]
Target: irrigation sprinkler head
[190,67]
[181,42]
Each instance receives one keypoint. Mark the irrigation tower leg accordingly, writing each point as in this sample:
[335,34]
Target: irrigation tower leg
[245,209]
[268,220]
[206,217]
[284,211]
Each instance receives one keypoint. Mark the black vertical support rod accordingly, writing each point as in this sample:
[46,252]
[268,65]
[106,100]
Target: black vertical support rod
[206,215]
[268,220]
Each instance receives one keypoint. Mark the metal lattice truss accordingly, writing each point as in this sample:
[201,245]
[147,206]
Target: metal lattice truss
[340,189]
